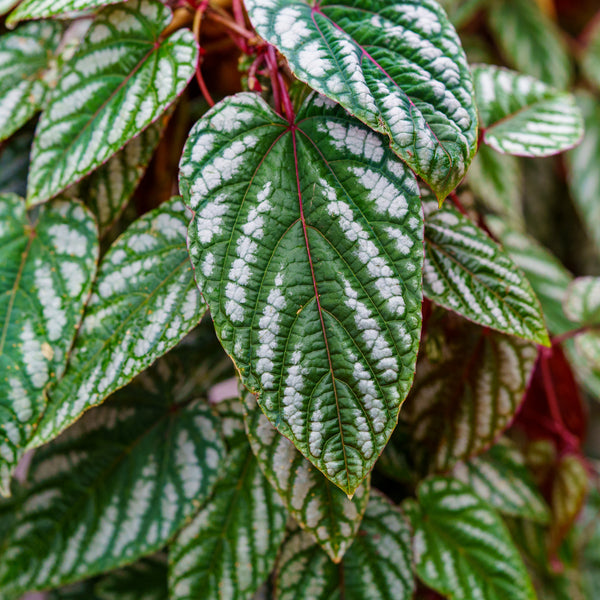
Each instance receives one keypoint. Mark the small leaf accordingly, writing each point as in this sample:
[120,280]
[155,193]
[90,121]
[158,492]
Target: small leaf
[307,246]
[117,485]
[378,565]
[523,116]
[41,9]
[318,506]
[46,272]
[467,272]
[461,547]
[499,476]
[530,41]
[230,547]
[143,302]
[396,66]
[121,79]
[25,59]
[465,393]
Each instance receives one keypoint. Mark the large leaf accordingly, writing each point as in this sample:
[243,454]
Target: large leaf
[230,547]
[117,485]
[40,9]
[468,387]
[318,506]
[530,41]
[25,60]
[523,116]
[378,565]
[462,549]
[467,272]
[397,66]
[121,79]
[46,272]
[143,302]
[307,246]
[500,477]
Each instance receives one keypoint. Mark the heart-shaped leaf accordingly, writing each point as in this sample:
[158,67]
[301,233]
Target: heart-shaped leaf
[523,116]
[117,485]
[46,272]
[318,506]
[143,302]
[461,547]
[397,66]
[378,565]
[307,246]
[41,9]
[121,79]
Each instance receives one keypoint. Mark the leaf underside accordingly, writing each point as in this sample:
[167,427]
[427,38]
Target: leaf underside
[307,246]
[397,66]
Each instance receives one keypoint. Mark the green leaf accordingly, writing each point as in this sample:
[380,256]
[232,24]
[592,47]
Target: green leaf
[318,506]
[143,302]
[462,549]
[117,485]
[41,9]
[467,272]
[583,171]
[500,477]
[14,162]
[590,58]
[378,565]
[530,41]
[460,12]
[582,301]
[466,391]
[230,547]
[523,116]
[108,189]
[397,66]
[6,5]
[121,79]
[25,60]
[307,246]
[46,272]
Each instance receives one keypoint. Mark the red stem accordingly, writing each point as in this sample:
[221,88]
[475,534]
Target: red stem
[456,201]
[271,60]
[287,101]
[559,339]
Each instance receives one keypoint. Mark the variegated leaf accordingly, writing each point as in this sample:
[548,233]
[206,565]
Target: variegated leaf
[500,477]
[583,170]
[530,41]
[14,162]
[121,79]
[6,5]
[46,272]
[26,57]
[461,547]
[117,485]
[467,272]
[143,302]
[307,246]
[230,547]
[318,506]
[523,116]
[108,189]
[378,565]
[466,392]
[397,66]
[41,9]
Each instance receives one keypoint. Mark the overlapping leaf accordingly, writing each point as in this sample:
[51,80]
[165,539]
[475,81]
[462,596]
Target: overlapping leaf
[461,547]
[523,116]
[40,9]
[46,272]
[108,189]
[230,547]
[378,565]
[397,66]
[467,272]
[143,302]
[121,79]
[117,485]
[307,243]
[317,505]
[530,41]
[25,60]
[500,477]
[468,386]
